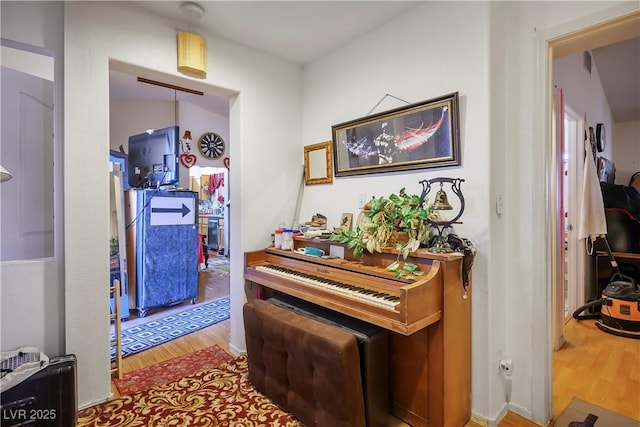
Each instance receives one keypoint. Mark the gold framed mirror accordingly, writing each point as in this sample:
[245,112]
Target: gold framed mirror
[318,163]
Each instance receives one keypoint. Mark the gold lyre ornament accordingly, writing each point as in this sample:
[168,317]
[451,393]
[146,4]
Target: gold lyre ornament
[192,55]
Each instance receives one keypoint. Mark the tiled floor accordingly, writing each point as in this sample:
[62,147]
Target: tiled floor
[217,260]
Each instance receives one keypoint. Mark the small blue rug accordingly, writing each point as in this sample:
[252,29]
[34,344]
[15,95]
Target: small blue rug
[162,330]
[218,260]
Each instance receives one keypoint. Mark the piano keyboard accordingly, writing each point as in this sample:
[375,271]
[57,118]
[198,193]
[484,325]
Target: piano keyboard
[349,291]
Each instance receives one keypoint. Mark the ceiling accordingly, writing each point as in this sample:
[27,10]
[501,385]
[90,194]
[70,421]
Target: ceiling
[299,31]
[618,65]
[303,31]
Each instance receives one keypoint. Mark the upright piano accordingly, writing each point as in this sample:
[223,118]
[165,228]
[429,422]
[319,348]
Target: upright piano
[429,318]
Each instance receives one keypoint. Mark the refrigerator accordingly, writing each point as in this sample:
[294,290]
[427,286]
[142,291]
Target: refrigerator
[163,236]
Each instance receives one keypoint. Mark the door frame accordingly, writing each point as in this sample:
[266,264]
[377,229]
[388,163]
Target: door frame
[616,22]
[574,146]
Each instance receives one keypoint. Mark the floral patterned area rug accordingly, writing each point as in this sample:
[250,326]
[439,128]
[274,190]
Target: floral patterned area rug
[222,396]
[171,370]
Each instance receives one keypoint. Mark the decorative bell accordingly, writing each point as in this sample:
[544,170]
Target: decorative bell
[441,202]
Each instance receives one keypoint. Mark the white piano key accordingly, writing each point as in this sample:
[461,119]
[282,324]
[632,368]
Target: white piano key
[368,296]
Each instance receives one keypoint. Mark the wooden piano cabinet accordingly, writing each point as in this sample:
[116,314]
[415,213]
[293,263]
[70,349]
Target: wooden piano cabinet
[431,369]
[409,377]
[430,333]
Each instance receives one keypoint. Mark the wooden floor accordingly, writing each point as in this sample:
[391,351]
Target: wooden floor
[599,368]
[212,285]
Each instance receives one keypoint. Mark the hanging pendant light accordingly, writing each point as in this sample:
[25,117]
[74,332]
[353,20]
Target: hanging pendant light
[5,175]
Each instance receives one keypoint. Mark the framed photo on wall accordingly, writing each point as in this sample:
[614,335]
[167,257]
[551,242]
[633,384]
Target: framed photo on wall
[418,136]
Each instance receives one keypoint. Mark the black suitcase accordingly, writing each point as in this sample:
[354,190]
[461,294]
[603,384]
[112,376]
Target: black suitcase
[48,398]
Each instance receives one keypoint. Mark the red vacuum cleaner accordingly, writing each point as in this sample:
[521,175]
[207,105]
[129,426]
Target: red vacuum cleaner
[619,305]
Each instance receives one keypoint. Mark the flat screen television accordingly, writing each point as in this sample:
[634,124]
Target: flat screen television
[153,158]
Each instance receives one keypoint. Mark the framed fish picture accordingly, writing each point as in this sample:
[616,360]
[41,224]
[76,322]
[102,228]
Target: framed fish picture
[417,136]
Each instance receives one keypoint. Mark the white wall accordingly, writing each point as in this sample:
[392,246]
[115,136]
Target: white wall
[36,287]
[128,118]
[96,33]
[199,120]
[626,151]
[492,62]
[520,74]
[133,117]
[488,52]
[428,52]
[584,93]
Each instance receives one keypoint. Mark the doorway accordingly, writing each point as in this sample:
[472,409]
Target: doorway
[213,211]
[573,281]
[570,290]
[570,261]
[572,161]
[136,106]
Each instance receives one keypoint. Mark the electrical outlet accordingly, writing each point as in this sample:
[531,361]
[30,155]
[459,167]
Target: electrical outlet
[499,204]
[506,366]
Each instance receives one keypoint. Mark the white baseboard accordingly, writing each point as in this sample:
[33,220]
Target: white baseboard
[506,407]
[86,405]
[491,422]
[236,351]
[523,412]
[479,419]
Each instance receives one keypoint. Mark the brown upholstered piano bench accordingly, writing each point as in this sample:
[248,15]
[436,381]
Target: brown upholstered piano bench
[308,368]
[373,345]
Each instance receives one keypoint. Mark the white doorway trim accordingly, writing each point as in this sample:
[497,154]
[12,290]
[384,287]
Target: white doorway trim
[574,148]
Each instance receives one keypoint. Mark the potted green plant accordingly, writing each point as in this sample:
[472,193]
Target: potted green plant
[398,221]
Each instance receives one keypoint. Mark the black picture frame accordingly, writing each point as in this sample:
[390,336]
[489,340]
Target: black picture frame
[421,135]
